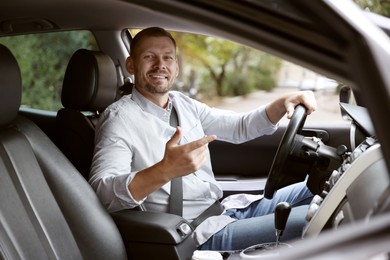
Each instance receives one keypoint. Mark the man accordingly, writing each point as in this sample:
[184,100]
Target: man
[154,135]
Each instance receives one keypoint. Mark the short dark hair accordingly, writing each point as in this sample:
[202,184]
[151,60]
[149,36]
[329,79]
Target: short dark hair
[149,32]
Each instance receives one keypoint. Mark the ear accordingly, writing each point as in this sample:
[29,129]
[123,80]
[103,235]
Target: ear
[130,65]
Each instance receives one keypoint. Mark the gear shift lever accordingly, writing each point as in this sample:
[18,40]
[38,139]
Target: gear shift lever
[282,211]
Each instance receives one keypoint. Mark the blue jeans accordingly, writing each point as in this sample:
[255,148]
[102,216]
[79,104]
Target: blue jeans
[255,224]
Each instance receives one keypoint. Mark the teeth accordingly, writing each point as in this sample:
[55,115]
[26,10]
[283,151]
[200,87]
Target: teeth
[157,77]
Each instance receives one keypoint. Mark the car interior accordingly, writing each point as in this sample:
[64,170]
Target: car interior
[53,181]
[49,211]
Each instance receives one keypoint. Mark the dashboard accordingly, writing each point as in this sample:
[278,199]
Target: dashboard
[354,190]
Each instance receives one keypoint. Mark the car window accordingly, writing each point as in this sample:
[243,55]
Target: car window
[232,76]
[43,59]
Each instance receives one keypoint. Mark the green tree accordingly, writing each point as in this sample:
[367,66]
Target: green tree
[226,68]
[43,59]
[376,6]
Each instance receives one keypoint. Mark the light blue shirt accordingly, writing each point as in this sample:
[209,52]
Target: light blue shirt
[131,136]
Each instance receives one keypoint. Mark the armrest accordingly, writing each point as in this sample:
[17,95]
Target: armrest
[151,227]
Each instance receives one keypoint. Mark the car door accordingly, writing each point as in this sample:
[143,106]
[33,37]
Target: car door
[245,167]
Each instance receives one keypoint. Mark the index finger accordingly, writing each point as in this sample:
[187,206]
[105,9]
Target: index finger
[290,110]
[201,142]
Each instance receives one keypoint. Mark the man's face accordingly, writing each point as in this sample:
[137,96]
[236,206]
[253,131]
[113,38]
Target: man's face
[154,65]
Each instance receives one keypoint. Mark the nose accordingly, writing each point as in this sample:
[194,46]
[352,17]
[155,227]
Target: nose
[159,63]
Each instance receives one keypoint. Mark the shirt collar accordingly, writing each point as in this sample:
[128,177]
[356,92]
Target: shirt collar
[151,108]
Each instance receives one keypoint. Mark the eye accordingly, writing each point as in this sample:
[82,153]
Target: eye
[169,58]
[148,56]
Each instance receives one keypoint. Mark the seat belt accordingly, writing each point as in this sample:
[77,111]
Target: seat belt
[214,210]
[176,197]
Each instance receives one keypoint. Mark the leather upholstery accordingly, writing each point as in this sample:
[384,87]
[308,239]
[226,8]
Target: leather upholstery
[90,85]
[90,81]
[10,86]
[48,210]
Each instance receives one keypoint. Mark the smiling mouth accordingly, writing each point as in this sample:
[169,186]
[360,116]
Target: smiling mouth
[158,77]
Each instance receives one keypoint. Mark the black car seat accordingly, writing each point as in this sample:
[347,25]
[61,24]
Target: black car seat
[47,209]
[90,85]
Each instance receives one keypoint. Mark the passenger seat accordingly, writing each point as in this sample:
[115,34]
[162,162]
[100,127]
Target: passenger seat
[90,85]
[48,210]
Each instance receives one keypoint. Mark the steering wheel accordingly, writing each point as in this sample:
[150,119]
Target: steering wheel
[285,147]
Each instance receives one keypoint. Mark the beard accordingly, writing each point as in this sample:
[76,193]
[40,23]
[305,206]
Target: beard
[157,87]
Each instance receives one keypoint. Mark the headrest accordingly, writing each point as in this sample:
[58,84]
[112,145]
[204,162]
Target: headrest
[90,81]
[10,86]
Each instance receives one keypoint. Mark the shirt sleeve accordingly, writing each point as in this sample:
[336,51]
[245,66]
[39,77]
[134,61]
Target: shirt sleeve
[235,127]
[111,166]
